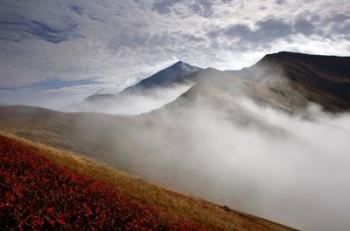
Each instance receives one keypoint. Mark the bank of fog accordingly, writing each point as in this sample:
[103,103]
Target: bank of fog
[291,169]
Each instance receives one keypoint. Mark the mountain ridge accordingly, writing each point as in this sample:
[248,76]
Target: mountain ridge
[285,80]
[172,74]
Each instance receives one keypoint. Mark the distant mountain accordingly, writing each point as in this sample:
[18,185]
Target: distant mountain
[175,74]
[149,94]
[285,80]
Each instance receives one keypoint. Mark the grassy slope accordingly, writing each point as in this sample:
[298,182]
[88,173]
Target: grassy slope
[174,204]
[38,194]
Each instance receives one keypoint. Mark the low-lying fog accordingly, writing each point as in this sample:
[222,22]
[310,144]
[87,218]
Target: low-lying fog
[134,103]
[289,169]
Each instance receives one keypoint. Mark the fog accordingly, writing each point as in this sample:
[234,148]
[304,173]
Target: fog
[133,103]
[292,169]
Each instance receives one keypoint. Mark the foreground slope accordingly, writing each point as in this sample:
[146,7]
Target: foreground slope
[38,194]
[48,188]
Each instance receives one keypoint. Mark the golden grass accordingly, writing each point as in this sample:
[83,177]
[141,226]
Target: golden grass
[175,204]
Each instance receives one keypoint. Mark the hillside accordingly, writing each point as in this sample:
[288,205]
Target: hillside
[320,79]
[48,188]
[121,141]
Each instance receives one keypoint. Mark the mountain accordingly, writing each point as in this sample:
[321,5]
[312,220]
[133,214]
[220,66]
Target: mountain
[324,80]
[175,74]
[285,80]
[149,94]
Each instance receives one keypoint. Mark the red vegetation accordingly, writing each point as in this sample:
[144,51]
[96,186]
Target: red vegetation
[37,194]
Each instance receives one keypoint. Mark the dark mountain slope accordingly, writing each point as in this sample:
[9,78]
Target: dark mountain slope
[321,79]
[174,74]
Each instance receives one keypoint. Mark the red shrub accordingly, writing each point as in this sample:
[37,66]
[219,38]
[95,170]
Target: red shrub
[37,194]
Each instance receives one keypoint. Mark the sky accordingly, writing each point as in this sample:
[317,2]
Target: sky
[53,53]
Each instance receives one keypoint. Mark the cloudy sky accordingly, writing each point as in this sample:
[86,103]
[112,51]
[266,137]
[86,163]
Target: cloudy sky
[55,52]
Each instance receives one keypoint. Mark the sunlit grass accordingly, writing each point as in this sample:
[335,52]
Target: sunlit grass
[175,204]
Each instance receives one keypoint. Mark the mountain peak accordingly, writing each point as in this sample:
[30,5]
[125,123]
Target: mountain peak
[289,57]
[290,54]
[184,66]
[180,63]
[335,63]
[277,55]
[173,74]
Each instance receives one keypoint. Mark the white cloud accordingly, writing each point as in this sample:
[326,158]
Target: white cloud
[120,41]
